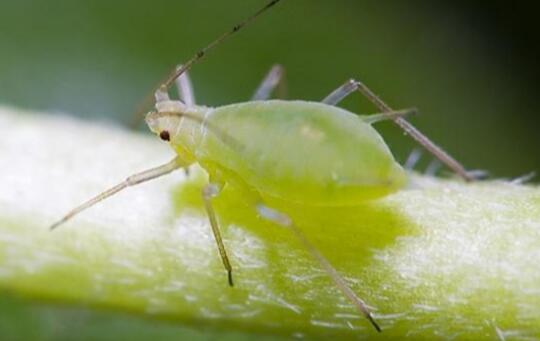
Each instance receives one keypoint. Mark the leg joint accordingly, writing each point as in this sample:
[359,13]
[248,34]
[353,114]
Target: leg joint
[274,215]
[210,190]
[352,85]
[134,180]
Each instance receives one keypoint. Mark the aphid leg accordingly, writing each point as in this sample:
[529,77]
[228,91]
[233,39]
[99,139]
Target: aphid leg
[523,179]
[185,88]
[412,159]
[433,167]
[274,78]
[479,174]
[391,115]
[210,191]
[353,85]
[186,95]
[130,181]
[340,93]
[283,220]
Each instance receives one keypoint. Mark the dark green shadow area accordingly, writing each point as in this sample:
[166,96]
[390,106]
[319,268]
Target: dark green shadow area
[21,319]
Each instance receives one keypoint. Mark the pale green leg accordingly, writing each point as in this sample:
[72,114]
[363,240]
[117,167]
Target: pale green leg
[412,159]
[353,85]
[274,78]
[209,192]
[185,88]
[268,213]
[132,180]
[391,115]
[283,220]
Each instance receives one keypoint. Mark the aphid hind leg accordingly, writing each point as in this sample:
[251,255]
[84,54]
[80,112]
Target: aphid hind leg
[283,220]
[130,181]
[391,115]
[210,191]
[251,195]
[353,85]
[185,88]
[274,78]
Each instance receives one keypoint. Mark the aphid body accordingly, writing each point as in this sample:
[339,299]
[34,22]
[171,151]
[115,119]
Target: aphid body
[311,153]
[305,152]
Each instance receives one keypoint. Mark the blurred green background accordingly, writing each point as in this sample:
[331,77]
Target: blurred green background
[471,69]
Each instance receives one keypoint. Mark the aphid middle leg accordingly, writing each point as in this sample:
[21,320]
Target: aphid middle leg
[210,191]
[185,88]
[433,167]
[412,159]
[274,78]
[283,220]
[130,181]
[353,85]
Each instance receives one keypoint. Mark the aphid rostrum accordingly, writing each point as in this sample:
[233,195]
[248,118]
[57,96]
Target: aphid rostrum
[311,153]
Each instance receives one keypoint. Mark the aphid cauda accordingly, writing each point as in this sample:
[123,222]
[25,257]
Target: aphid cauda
[312,153]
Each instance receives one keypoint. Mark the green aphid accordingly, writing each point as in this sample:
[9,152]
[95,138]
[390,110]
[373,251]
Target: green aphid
[310,153]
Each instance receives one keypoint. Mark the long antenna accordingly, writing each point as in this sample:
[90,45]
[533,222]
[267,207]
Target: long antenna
[165,84]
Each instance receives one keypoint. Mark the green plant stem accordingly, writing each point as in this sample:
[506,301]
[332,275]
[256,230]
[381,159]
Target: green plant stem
[438,259]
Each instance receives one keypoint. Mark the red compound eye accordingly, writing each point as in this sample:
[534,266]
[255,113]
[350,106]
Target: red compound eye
[165,136]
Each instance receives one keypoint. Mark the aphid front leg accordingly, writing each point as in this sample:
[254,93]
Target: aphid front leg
[283,220]
[412,159]
[185,88]
[130,181]
[186,94]
[274,78]
[210,191]
[353,85]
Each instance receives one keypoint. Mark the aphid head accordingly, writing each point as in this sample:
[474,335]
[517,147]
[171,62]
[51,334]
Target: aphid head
[176,122]
[163,125]
[165,120]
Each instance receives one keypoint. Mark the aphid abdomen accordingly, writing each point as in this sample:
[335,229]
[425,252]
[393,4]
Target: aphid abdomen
[301,151]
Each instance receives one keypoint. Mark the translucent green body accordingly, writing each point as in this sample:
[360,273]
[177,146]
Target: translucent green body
[297,151]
